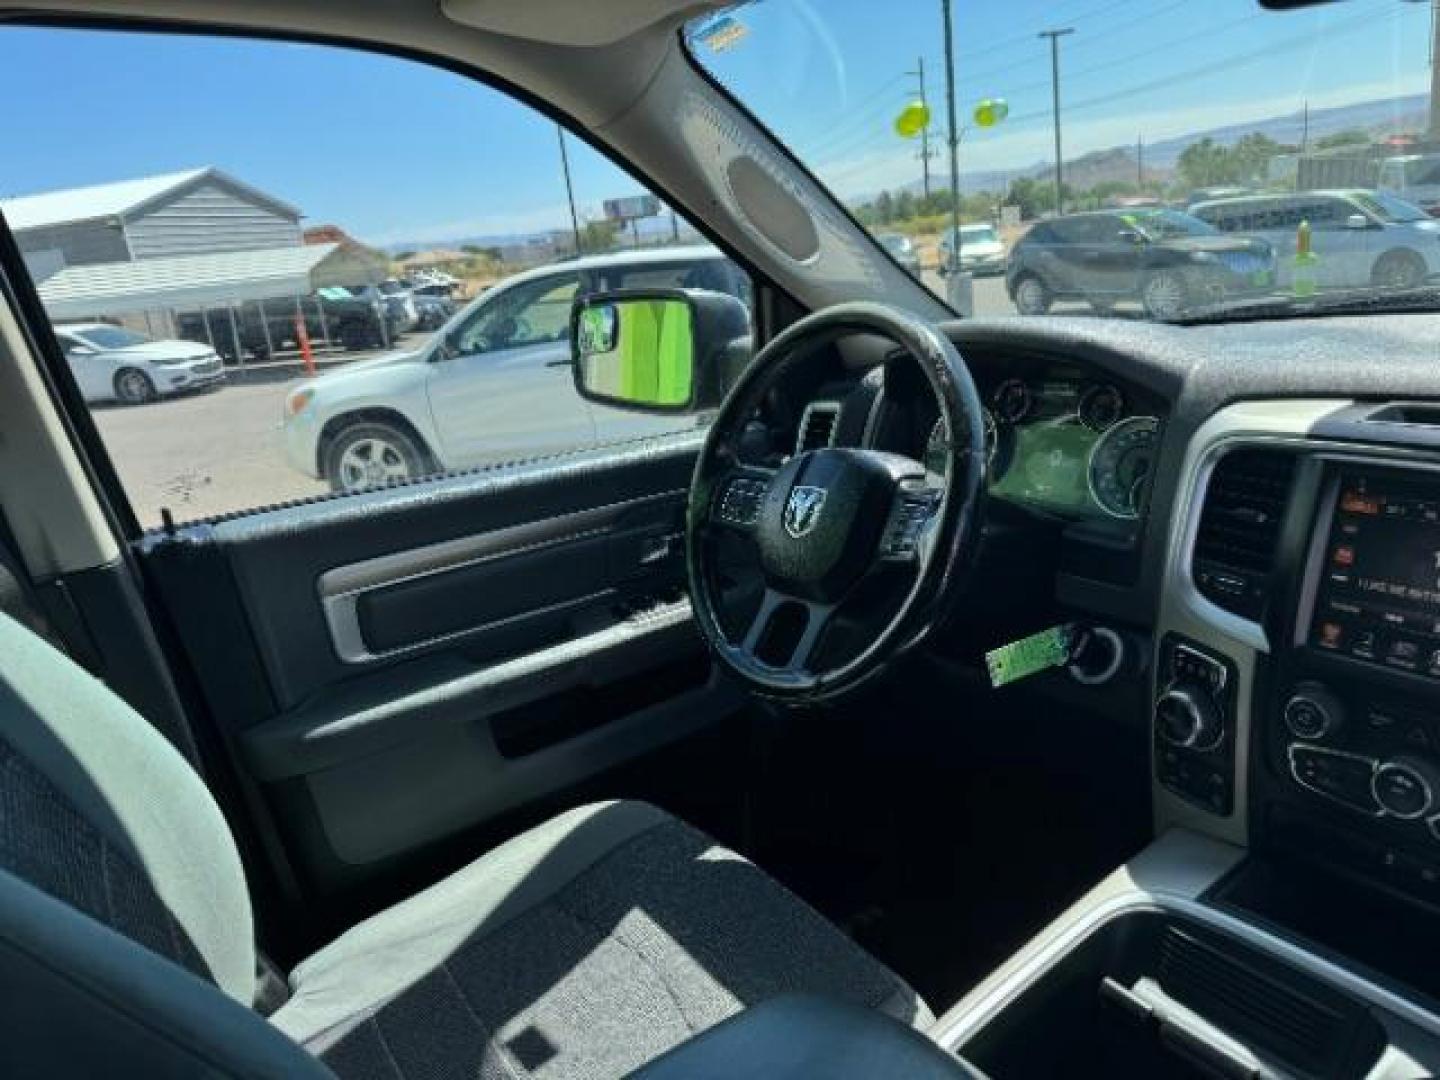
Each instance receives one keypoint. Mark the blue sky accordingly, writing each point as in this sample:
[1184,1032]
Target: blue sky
[396,151]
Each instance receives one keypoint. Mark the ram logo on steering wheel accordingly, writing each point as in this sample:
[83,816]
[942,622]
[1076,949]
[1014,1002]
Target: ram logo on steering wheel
[802,509]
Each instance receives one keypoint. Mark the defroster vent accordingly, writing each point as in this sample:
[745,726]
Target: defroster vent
[1240,527]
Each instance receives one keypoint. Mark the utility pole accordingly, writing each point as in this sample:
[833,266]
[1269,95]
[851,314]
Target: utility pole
[1305,127]
[1434,70]
[1055,36]
[1139,162]
[569,190]
[953,137]
[925,152]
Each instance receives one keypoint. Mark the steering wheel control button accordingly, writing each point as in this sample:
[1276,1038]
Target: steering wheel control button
[740,504]
[1405,787]
[907,522]
[1345,778]
[1312,713]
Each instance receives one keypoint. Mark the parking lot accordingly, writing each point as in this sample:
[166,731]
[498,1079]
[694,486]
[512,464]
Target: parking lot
[219,451]
[215,451]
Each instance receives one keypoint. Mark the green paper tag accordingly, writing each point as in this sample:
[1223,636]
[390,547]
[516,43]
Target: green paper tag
[1020,659]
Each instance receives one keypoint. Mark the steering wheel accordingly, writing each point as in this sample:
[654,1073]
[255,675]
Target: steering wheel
[832,520]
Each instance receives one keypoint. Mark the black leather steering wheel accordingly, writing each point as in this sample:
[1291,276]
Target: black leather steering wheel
[830,519]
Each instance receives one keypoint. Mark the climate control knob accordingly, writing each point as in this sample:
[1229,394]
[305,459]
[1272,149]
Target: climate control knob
[1406,787]
[1313,712]
[1186,716]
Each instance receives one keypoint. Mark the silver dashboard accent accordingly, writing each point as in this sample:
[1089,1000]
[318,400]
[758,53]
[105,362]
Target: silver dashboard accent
[340,588]
[1184,611]
[1325,750]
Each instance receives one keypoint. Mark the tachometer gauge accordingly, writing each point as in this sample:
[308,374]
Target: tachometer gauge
[1100,407]
[1120,463]
[1013,401]
[937,446]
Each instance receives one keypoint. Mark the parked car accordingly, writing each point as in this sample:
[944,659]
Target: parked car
[396,298]
[112,363]
[902,250]
[982,252]
[263,328]
[1414,178]
[1362,238]
[1170,261]
[494,384]
[432,311]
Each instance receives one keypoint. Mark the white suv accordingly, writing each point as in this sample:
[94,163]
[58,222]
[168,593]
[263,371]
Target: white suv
[494,384]
[1362,238]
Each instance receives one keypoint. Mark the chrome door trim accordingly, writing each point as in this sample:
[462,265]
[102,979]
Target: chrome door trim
[340,589]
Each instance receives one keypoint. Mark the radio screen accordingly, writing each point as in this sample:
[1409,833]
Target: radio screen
[1378,595]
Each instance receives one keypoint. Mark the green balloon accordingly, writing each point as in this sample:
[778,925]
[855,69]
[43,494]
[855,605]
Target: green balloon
[991,111]
[913,119]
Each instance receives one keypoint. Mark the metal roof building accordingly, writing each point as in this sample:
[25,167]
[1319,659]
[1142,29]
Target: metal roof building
[198,211]
[192,282]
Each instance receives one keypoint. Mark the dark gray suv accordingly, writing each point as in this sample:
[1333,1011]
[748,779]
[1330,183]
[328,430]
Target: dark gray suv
[1169,261]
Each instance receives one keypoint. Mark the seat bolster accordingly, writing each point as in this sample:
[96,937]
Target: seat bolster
[381,957]
[83,1000]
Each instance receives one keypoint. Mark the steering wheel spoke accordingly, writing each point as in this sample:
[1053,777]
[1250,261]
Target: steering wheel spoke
[738,496]
[756,646]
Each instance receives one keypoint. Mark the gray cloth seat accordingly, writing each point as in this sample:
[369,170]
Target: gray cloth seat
[585,947]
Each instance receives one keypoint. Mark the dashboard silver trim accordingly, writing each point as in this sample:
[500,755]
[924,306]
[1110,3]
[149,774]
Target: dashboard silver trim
[1187,613]
[1310,748]
[1285,424]
[825,406]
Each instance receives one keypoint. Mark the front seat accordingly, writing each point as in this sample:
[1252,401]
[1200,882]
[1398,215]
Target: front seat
[585,947]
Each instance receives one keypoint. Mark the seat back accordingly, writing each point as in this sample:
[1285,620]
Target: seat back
[99,811]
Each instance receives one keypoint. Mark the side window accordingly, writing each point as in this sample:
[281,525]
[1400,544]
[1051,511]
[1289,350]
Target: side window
[529,313]
[410,297]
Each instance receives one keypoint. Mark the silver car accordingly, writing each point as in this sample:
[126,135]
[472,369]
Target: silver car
[1362,238]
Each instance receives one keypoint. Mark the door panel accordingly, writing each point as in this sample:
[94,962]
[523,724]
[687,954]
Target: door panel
[430,657]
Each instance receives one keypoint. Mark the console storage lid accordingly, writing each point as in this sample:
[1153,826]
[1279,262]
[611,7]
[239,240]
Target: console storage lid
[802,1037]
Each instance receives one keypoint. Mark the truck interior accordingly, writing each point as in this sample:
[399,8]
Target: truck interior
[690,756]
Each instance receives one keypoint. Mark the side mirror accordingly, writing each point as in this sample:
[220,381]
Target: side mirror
[1357,221]
[658,350]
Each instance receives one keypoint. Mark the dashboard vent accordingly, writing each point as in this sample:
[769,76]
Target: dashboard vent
[1240,527]
[817,426]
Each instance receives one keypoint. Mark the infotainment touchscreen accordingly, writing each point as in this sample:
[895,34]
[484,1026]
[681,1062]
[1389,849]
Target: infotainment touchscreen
[1378,592]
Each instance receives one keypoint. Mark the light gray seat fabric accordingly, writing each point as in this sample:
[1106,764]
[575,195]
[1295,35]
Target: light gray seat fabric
[585,947]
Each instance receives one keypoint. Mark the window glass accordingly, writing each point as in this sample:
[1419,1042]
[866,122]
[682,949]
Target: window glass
[111,337]
[530,313]
[403,266]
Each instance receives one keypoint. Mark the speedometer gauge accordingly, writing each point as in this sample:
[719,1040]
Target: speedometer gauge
[1120,462]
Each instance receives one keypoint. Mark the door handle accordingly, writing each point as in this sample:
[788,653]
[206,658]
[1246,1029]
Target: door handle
[656,549]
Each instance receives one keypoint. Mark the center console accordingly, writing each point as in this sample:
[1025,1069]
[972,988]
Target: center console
[1350,738]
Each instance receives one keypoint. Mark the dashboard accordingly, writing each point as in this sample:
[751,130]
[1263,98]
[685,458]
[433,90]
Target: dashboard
[1065,441]
[1253,512]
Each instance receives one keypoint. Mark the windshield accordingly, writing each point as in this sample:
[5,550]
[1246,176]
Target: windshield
[1065,107]
[1389,208]
[111,337]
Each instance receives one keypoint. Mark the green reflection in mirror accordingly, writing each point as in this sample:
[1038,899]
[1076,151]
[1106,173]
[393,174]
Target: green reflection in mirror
[639,351]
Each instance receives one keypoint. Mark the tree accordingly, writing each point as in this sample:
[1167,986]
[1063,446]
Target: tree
[598,236]
[1348,137]
[884,208]
[904,205]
